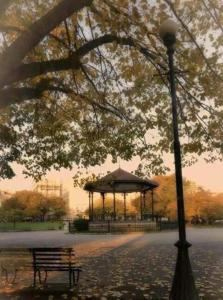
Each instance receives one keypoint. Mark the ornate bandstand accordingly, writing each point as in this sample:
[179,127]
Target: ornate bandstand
[122,182]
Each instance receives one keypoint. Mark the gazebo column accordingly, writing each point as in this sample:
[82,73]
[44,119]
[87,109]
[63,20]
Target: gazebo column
[92,205]
[141,209]
[125,206]
[114,207]
[103,206]
[144,202]
[89,212]
[152,202]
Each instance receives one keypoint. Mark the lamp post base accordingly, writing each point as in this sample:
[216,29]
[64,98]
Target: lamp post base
[183,287]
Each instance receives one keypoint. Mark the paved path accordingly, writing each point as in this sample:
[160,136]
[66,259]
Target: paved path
[128,266]
[59,238]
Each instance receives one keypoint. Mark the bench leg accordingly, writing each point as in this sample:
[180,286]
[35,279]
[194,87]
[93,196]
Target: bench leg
[6,274]
[42,281]
[34,278]
[74,279]
[76,276]
[70,278]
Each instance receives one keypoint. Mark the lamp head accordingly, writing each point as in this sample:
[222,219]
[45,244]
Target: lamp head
[167,32]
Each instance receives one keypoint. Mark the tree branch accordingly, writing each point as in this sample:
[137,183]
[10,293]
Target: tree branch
[15,53]
[19,95]
[73,61]
[39,68]
[4,4]
[9,28]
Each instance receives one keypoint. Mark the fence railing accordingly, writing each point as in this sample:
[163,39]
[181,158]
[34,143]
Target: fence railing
[168,225]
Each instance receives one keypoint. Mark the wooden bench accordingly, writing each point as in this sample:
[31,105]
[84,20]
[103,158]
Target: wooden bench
[54,260]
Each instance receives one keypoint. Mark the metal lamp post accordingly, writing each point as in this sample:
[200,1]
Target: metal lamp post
[183,286]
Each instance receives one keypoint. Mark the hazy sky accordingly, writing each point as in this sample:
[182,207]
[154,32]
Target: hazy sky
[209,176]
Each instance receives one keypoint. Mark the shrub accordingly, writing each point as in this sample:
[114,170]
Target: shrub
[81,224]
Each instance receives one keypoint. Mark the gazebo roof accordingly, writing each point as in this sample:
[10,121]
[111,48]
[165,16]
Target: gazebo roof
[120,181]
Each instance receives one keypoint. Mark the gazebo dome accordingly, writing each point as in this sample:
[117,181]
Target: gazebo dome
[120,181]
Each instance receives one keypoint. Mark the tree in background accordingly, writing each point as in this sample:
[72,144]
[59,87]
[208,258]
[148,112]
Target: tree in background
[165,196]
[207,205]
[218,198]
[199,202]
[33,205]
[84,79]
[58,207]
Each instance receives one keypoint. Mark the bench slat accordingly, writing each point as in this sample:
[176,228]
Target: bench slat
[53,263]
[53,254]
[60,270]
[55,258]
[45,249]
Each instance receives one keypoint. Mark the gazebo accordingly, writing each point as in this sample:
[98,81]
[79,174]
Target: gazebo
[120,182]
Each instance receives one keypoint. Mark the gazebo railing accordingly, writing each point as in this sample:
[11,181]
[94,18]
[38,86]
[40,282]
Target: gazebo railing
[123,226]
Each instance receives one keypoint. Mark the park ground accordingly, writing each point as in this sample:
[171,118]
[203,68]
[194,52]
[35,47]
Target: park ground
[121,266]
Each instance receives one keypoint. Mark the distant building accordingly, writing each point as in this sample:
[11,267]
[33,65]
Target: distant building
[50,188]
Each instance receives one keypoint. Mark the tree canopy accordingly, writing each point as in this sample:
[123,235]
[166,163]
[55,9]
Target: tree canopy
[199,201]
[84,79]
[29,204]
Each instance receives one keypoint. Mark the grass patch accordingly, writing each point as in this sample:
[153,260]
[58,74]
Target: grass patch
[31,226]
